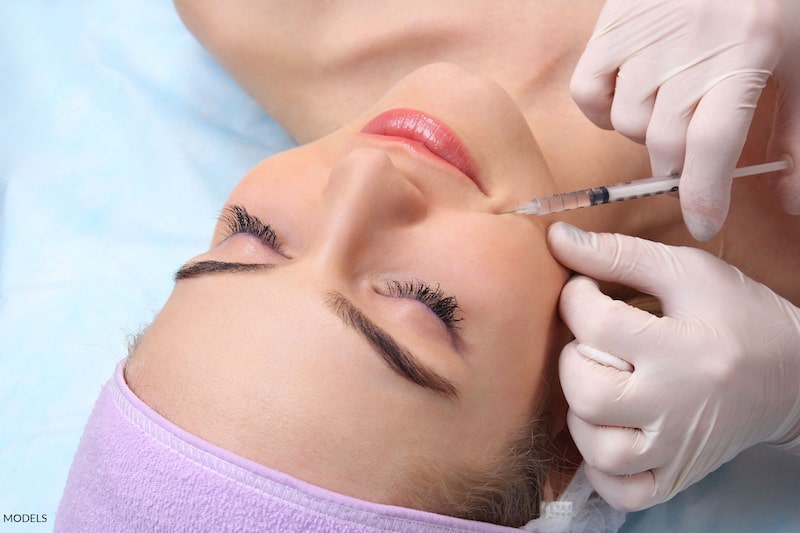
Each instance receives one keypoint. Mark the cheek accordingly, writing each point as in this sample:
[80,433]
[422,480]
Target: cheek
[512,277]
[530,285]
[520,331]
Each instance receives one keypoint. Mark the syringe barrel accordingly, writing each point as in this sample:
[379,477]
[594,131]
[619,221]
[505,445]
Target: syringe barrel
[572,200]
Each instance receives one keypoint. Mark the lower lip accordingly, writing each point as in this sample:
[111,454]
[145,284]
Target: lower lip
[434,135]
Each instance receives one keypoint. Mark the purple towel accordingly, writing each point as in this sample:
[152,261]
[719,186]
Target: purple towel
[136,471]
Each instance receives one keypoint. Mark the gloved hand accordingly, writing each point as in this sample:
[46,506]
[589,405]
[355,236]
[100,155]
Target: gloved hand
[656,403]
[684,76]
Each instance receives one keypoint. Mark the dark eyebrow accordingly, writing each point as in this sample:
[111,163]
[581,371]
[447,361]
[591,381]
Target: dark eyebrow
[399,358]
[199,268]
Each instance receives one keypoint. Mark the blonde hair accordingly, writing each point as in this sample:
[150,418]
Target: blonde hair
[510,494]
[507,487]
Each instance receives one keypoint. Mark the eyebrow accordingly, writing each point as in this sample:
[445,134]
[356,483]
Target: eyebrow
[200,268]
[399,358]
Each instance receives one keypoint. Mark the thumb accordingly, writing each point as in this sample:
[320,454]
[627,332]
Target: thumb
[784,142]
[686,281]
[610,256]
[650,267]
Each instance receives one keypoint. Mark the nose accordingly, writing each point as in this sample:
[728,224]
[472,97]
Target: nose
[364,201]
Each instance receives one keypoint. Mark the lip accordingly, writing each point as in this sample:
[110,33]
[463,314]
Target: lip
[434,135]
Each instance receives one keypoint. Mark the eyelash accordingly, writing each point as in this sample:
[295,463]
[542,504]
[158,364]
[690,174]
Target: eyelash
[238,220]
[445,307]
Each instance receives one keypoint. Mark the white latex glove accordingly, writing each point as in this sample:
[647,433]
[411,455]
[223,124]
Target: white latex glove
[684,77]
[656,403]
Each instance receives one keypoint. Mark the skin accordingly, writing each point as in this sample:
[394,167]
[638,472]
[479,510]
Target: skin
[256,362]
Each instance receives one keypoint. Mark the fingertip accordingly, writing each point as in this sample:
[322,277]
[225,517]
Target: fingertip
[556,233]
[593,92]
[563,232]
[704,202]
[577,286]
[566,241]
[579,297]
[701,228]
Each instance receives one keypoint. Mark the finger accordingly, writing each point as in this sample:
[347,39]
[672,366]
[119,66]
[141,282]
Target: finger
[647,266]
[666,132]
[625,493]
[634,97]
[604,396]
[612,450]
[714,141]
[785,139]
[617,36]
[670,274]
[593,391]
[594,79]
[593,83]
[606,324]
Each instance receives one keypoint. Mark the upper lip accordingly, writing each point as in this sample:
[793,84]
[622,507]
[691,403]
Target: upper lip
[431,133]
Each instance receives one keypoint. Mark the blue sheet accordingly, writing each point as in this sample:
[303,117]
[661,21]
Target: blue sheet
[119,140]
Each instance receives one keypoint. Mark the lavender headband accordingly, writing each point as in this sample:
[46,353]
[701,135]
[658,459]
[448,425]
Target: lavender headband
[136,471]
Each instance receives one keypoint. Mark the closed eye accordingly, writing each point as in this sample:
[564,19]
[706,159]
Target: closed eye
[442,305]
[237,220]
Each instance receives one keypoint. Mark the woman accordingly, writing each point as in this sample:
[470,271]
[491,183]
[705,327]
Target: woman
[366,320]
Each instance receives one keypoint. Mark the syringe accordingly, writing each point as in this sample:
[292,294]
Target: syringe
[625,191]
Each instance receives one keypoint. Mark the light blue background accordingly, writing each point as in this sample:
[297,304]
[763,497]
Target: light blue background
[119,140]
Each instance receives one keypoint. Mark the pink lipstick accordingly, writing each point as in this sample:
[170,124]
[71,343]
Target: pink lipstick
[431,133]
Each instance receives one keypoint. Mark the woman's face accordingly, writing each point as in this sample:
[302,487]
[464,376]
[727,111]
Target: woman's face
[388,320]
